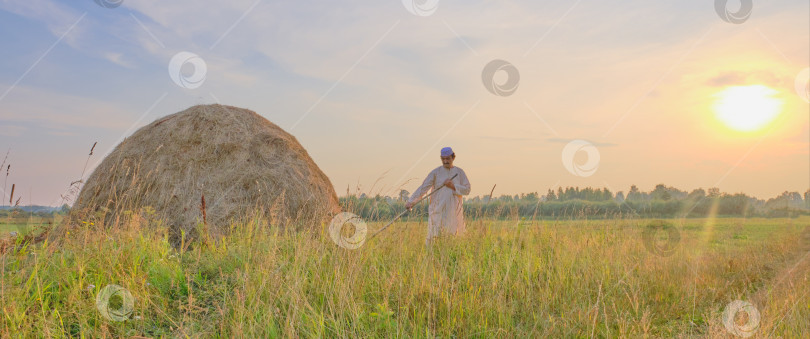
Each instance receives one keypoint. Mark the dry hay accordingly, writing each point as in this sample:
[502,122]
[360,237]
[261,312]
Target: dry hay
[212,165]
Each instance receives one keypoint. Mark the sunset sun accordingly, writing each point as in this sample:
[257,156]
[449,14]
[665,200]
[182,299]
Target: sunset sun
[747,108]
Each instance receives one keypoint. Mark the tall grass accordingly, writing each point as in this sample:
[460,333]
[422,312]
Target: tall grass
[512,278]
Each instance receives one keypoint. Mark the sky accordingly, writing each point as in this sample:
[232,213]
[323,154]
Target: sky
[531,95]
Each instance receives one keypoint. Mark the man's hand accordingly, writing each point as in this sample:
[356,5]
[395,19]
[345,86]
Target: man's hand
[408,205]
[449,183]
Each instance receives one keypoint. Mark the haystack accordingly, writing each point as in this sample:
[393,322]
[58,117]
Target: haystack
[210,165]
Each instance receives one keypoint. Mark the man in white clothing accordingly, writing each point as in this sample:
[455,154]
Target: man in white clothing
[446,214]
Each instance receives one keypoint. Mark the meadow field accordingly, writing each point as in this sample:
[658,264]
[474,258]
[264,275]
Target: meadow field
[502,279]
[25,224]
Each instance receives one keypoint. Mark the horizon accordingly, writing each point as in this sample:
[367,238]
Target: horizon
[540,195]
[531,96]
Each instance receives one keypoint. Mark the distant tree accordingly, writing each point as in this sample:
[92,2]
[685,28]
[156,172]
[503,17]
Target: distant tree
[662,192]
[786,200]
[807,198]
[796,199]
[575,193]
[606,194]
[551,196]
[619,197]
[697,194]
[634,194]
[404,195]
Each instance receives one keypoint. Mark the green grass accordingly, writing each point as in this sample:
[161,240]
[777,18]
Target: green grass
[502,279]
[24,224]
[8,228]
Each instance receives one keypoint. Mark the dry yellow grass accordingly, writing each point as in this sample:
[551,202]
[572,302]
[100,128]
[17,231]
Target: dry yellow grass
[502,279]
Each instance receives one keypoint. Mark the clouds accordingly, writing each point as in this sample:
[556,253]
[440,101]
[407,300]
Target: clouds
[201,21]
[726,79]
[56,16]
[364,70]
[118,59]
[767,77]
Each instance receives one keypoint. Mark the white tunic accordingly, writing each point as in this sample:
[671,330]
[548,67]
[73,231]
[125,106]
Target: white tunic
[445,209]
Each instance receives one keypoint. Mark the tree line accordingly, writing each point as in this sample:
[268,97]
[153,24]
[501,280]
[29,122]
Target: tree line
[595,203]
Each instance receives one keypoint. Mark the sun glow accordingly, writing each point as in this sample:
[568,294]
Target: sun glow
[747,108]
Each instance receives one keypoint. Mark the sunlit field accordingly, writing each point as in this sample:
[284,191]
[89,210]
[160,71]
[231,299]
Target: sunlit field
[513,278]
